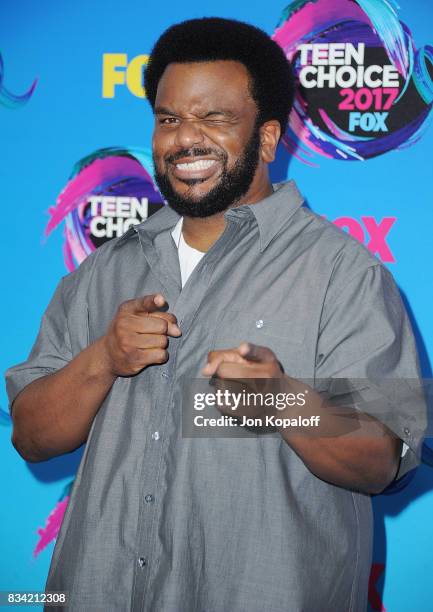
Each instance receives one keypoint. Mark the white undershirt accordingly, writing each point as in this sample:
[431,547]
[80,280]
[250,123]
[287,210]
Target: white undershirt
[188,257]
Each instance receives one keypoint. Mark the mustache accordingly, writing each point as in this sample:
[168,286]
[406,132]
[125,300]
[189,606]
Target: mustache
[194,152]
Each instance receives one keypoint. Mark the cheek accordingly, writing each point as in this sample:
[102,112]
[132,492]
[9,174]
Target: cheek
[229,141]
[233,144]
[161,145]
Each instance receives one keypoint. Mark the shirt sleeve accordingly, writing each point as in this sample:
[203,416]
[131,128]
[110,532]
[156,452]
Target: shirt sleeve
[51,350]
[366,345]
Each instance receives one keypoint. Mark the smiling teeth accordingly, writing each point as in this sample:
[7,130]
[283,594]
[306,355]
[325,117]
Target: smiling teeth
[201,164]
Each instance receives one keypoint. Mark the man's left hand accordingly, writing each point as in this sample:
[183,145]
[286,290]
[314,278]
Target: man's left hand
[248,365]
[246,361]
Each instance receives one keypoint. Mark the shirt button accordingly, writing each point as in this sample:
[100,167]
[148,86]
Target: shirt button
[155,435]
[259,323]
[148,498]
[406,431]
[141,561]
[164,375]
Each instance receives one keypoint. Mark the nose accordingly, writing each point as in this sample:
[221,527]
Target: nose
[188,133]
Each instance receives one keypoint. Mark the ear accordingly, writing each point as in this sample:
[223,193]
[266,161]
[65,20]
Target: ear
[269,137]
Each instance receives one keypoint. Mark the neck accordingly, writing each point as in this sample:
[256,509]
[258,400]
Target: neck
[202,233]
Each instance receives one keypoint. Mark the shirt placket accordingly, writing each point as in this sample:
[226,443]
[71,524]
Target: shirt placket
[184,305]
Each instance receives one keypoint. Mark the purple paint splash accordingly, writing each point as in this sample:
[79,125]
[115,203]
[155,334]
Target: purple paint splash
[7,98]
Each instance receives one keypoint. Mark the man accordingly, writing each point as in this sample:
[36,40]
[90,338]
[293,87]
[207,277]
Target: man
[233,280]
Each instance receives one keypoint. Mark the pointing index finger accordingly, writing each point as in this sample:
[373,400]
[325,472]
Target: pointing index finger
[151,303]
[145,304]
[253,352]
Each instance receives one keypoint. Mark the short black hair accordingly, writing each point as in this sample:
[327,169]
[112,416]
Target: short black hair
[213,39]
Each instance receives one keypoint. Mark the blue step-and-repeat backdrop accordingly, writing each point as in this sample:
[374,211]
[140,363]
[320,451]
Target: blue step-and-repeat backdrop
[76,171]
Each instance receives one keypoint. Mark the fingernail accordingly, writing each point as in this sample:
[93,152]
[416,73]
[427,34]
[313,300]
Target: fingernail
[244,347]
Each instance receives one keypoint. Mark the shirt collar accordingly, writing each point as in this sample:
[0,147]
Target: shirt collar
[273,212]
[270,214]
[165,218]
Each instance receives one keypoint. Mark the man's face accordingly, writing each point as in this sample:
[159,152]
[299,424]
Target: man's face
[206,146]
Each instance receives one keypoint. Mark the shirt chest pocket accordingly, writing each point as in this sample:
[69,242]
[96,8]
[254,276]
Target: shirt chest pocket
[284,337]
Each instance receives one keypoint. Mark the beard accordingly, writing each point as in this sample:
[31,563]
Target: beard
[232,185]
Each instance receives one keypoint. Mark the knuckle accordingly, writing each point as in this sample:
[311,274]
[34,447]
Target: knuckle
[161,355]
[120,325]
[158,324]
[164,325]
[122,345]
[125,350]
[163,340]
[124,306]
[145,325]
[268,371]
[137,356]
[119,330]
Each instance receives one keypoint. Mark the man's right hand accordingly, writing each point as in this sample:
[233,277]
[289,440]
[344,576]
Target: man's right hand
[138,335]
[54,413]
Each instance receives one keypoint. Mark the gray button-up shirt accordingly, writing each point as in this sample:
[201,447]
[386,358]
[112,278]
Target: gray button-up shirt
[161,522]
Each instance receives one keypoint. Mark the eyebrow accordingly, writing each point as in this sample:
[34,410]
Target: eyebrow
[162,110]
[227,113]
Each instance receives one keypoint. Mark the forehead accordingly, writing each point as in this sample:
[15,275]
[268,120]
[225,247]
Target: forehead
[193,86]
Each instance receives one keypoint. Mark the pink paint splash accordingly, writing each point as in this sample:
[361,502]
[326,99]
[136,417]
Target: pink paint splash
[52,527]
[113,171]
[93,179]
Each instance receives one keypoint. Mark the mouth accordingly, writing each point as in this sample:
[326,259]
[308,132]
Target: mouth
[195,168]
